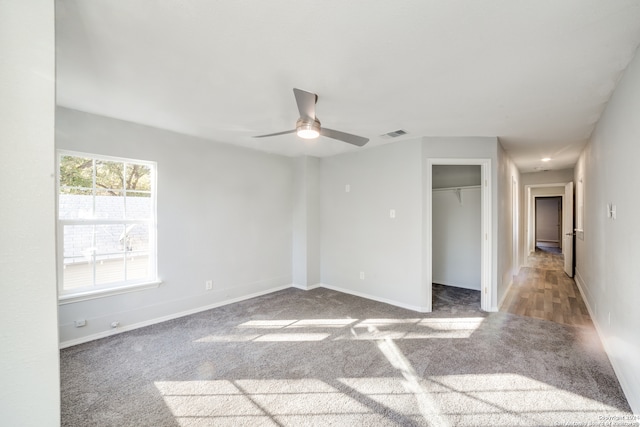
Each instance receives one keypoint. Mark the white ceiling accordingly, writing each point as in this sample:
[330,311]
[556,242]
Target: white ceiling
[535,73]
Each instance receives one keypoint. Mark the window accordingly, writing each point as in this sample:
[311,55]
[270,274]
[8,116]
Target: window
[106,225]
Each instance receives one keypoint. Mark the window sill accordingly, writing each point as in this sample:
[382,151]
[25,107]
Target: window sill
[89,295]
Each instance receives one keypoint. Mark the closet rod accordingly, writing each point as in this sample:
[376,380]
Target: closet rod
[457,188]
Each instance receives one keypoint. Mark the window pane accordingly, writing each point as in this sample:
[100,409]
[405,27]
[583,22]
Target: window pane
[138,266]
[109,242]
[138,177]
[78,243]
[77,273]
[109,269]
[138,205]
[109,175]
[78,256]
[75,204]
[76,172]
[109,239]
[109,204]
[136,237]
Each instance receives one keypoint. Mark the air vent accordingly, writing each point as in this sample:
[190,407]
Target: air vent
[394,134]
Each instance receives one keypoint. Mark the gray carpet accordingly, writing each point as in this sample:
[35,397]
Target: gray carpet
[325,358]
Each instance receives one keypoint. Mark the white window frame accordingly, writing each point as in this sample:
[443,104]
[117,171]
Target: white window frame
[97,291]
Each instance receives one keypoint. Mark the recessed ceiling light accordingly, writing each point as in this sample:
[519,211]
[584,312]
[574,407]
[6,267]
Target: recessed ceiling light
[546,159]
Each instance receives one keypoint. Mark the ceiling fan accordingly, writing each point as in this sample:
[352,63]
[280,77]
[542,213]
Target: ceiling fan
[308,125]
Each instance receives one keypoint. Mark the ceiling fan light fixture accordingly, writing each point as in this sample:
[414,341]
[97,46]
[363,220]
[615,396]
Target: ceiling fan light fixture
[308,129]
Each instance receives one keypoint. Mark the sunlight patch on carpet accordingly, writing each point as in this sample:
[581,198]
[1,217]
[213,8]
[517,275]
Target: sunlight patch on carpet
[428,407]
[472,398]
[294,323]
[259,402]
[367,329]
[292,337]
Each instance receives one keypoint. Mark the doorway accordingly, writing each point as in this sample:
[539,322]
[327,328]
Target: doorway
[484,234]
[548,224]
[565,192]
[456,242]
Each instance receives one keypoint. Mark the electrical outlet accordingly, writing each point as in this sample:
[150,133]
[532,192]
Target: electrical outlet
[208,285]
[362,275]
[79,323]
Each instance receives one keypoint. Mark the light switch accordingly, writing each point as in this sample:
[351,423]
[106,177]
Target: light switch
[347,188]
[392,213]
[613,211]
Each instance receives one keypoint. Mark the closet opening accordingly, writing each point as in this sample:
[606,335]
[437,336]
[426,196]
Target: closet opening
[456,237]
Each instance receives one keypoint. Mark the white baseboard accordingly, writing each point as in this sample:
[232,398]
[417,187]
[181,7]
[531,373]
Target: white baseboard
[92,337]
[628,386]
[306,287]
[419,309]
[119,330]
[125,328]
[504,296]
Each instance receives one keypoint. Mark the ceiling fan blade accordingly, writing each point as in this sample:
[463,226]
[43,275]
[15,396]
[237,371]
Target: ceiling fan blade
[276,134]
[306,103]
[343,136]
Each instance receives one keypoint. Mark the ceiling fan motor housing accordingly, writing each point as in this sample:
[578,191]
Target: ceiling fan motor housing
[308,128]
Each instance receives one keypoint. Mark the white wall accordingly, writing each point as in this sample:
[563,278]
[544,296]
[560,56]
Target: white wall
[306,222]
[547,191]
[29,372]
[224,213]
[508,218]
[358,234]
[547,177]
[456,238]
[444,176]
[607,259]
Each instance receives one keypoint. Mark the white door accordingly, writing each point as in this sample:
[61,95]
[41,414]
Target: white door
[567,229]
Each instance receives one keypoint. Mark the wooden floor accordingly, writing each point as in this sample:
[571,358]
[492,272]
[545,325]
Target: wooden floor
[542,290]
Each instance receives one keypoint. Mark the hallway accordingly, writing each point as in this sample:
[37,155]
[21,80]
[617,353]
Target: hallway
[542,290]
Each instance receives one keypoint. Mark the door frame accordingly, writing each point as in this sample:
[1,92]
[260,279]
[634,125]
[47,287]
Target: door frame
[486,283]
[560,217]
[529,235]
[515,226]
[568,232]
